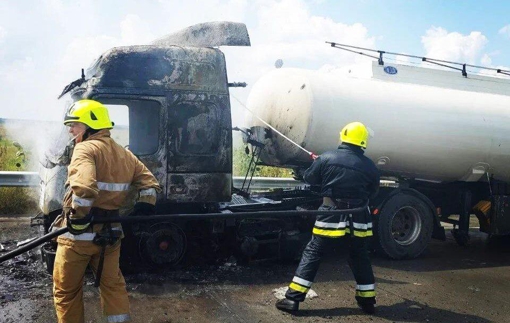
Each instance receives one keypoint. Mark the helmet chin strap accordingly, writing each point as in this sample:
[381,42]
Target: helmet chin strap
[74,138]
[84,135]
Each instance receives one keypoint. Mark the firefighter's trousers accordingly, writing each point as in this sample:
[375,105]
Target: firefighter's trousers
[357,228]
[71,262]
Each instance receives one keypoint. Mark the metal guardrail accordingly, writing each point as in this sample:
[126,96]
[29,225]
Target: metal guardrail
[19,179]
[264,183]
[30,179]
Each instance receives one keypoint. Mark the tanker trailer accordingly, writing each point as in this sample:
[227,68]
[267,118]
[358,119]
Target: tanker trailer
[442,138]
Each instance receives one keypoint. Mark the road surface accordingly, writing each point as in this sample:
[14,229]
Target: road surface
[447,284]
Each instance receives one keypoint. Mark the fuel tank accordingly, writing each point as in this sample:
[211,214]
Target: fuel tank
[426,124]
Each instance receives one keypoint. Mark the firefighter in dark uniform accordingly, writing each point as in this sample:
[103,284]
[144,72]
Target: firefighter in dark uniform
[348,179]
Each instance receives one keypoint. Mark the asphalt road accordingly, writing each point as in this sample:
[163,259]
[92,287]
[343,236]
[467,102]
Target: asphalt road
[447,284]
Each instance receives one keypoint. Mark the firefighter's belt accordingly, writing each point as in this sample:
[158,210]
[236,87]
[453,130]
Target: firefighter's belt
[95,211]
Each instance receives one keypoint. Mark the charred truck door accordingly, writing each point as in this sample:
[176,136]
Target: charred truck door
[199,129]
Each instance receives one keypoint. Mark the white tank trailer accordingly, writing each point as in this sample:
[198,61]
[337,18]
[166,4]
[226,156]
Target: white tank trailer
[444,138]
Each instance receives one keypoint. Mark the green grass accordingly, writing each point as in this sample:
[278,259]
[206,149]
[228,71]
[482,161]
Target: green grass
[241,161]
[15,200]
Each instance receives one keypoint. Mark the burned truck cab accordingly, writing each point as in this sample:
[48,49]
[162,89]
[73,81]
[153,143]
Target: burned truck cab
[178,113]
[169,102]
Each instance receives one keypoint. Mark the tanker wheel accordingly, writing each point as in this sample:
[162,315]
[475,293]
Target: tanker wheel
[404,227]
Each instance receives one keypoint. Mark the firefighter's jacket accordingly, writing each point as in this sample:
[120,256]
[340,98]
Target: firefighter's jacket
[344,173]
[347,179]
[100,177]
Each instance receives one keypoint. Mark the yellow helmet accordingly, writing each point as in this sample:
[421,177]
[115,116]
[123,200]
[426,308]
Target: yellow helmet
[355,133]
[90,112]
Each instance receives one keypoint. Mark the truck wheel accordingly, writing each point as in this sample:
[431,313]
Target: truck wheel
[404,227]
[163,245]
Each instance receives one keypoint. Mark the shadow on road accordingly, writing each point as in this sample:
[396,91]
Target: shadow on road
[406,311]
[481,252]
[441,256]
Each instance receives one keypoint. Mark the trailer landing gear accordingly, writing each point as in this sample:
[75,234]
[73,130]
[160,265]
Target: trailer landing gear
[461,237]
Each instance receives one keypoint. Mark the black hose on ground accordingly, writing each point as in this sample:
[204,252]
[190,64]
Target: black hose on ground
[32,244]
[202,216]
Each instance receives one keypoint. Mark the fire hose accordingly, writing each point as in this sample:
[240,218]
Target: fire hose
[309,153]
[215,216]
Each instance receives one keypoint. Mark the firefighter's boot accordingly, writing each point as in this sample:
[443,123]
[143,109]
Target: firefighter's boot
[367,307]
[287,305]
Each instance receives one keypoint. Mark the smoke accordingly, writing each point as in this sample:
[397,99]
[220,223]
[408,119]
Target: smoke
[36,140]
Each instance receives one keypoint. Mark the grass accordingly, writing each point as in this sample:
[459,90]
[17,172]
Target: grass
[15,200]
[241,161]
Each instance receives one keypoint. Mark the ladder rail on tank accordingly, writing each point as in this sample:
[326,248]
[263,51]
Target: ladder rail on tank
[462,67]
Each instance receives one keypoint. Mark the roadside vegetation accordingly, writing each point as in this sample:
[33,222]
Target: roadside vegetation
[15,200]
[241,162]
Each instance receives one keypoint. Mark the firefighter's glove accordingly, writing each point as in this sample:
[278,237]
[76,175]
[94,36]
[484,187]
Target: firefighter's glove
[79,226]
[142,208]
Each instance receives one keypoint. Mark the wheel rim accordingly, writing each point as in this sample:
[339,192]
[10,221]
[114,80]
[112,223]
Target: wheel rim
[406,225]
[164,244]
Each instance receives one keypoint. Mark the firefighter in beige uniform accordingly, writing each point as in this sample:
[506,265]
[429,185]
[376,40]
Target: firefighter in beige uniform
[101,173]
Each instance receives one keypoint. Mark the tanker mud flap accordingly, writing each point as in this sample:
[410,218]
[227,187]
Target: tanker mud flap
[404,224]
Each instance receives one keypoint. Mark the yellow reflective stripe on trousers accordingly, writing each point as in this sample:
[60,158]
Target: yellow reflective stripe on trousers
[329,233]
[365,294]
[360,234]
[298,288]
[365,290]
[363,234]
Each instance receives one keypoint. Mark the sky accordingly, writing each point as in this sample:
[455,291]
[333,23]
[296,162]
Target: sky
[45,43]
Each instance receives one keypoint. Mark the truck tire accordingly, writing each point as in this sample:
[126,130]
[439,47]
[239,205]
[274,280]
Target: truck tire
[403,227]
